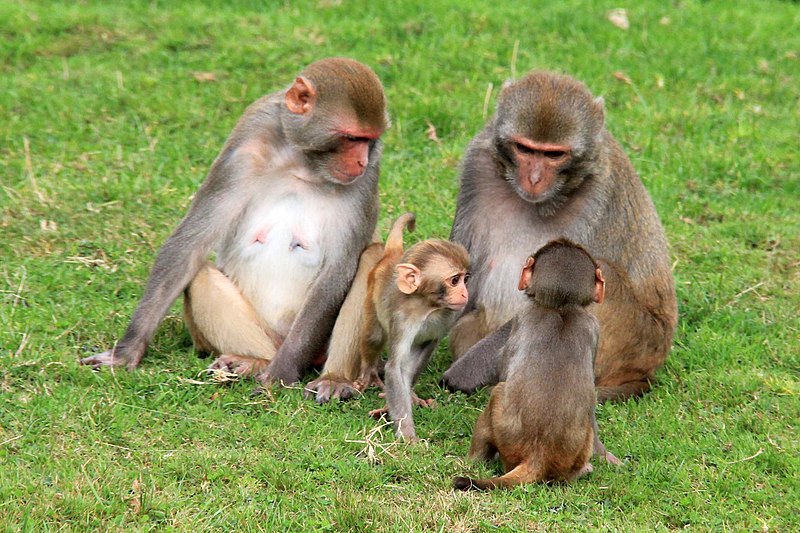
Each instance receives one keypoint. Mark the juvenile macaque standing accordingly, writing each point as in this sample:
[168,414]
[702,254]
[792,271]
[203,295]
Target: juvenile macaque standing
[413,299]
[290,204]
[544,167]
[540,418]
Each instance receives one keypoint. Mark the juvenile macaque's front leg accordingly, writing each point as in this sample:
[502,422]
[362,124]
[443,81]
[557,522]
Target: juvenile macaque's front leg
[404,366]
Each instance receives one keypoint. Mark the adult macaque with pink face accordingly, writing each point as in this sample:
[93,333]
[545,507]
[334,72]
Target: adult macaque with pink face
[546,167]
[290,204]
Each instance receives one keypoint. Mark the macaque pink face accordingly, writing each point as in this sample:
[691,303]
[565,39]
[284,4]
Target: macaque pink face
[352,154]
[456,293]
[538,164]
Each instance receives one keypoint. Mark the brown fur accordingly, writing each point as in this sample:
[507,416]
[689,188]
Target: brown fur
[540,419]
[343,83]
[372,337]
[411,315]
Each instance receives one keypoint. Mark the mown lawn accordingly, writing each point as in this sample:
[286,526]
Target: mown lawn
[110,115]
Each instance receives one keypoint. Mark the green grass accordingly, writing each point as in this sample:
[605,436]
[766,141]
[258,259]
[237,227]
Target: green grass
[105,134]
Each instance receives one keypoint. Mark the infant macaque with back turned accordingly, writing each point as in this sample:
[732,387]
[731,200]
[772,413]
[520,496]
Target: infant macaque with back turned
[541,416]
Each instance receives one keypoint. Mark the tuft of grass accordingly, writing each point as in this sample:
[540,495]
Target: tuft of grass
[110,115]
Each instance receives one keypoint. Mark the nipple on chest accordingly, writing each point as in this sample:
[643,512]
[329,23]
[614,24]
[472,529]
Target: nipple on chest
[261,236]
[297,244]
[281,236]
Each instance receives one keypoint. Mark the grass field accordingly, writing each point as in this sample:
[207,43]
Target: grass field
[110,115]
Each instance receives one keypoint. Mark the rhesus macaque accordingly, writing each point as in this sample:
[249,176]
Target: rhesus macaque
[290,203]
[540,418]
[353,326]
[544,167]
[413,299]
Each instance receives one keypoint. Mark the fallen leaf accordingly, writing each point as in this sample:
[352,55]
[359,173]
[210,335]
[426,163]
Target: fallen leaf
[621,76]
[431,133]
[619,18]
[135,502]
[204,77]
[48,225]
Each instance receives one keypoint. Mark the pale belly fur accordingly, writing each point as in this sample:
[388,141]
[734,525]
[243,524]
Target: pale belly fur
[278,251]
[499,274]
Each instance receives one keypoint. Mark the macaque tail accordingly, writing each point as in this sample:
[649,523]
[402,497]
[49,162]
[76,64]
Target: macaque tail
[522,473]
[394,242]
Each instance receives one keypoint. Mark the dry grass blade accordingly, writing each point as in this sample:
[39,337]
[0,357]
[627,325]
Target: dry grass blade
[431,132]
[219,375]
[26,147]
[373,447]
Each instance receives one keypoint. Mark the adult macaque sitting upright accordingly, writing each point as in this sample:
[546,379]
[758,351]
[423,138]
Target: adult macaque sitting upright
[290,202]
[545,167]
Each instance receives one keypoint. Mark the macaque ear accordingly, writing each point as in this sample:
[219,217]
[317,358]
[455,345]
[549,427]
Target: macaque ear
[301,96]
[527,273]
[408,278]
[599,286]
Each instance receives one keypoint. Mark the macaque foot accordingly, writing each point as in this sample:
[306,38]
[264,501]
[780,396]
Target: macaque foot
[239,365]
[405,433]
[369,378]
[585,469]
[269,377]
[271,374]
[416,400]
[611,458]
[326,388]
[378,413]
[409,439]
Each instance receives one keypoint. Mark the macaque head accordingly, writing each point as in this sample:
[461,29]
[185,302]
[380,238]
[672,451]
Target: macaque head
[547,127]
[437,270]
[562,273]
[336,113]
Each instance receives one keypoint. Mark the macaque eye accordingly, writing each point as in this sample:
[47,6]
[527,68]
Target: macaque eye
[454,280]
[524,149]
[466,278]
[356,139]
[555,154]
